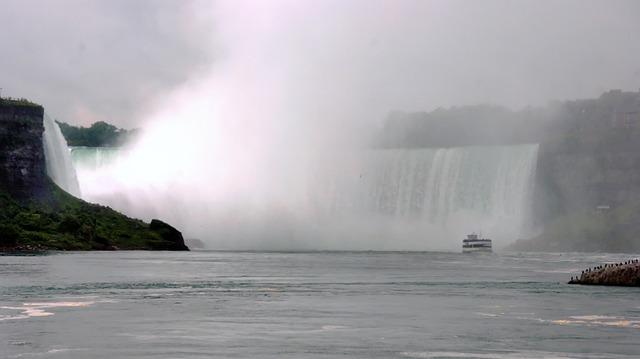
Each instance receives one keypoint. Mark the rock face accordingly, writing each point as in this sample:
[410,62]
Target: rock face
[22,162]
[172,237]
[619,274]
[587,195]
[592,158]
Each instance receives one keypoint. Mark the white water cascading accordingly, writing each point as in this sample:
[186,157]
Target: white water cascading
[378,199]
[90,159]
[59,165]
[92,165]
[445,192]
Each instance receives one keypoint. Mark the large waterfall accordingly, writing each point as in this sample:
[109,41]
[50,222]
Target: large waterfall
[376,199]
[446,192]
[89,159]
[58,160]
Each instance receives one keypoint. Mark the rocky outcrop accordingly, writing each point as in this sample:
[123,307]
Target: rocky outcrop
[618,274]
[173,240]
[35,214]
[22,162]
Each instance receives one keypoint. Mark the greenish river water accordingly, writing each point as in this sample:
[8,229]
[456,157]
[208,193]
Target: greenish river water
[207,304]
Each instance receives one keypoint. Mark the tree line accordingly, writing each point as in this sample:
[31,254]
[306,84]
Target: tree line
[100,134]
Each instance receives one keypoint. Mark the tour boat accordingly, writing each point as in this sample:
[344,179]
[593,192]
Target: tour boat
[473,243]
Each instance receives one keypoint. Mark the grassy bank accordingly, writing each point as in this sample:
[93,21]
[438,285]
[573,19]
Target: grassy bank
[63,222]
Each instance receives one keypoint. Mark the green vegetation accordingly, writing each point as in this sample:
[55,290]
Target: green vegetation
[9,101]
[63,222]
[100,134]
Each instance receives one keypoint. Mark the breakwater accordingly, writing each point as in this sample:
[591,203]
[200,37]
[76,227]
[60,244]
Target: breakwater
[620,274]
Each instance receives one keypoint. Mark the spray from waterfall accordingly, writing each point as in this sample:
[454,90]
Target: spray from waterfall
[58,159]
[395,199]
[269,148]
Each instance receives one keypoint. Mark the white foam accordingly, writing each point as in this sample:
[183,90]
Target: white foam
[50,351]
[333,327]
[30,310]
[486,314]
[600,320]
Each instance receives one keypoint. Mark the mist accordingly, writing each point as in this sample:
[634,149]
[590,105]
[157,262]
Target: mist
[237,156]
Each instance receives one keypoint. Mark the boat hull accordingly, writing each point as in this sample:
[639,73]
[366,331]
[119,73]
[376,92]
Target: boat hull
[475,244]
[477,250]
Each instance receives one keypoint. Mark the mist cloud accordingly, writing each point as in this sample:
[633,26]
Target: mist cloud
[112,60]
[101,60]
[236,149]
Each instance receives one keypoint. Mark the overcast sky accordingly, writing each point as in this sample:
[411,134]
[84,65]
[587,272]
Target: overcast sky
[114,60]
[100,60]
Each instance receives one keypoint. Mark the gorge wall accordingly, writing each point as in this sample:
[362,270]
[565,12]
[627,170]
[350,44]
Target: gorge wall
[588,185]
[592,158]
[22,163]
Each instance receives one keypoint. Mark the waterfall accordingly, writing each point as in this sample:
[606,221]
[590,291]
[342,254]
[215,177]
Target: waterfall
[413,199]
[92,165]
[435,184]
[88,159]
[438,192]
[58,159]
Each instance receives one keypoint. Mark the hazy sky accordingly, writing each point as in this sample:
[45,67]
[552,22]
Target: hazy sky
[90,60]
[115,60]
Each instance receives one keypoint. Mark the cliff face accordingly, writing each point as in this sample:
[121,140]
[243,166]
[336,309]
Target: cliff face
[594,157]
[37,214]
[588,177]
[22,162]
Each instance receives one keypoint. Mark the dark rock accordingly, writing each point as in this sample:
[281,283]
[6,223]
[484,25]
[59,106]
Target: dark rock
[619,275]
[22,163]
[172,236]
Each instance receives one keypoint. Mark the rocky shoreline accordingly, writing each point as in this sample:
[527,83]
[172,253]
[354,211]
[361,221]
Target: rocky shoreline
[616,274]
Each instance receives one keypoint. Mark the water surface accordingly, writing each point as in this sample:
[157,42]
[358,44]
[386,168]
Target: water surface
[311,305]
